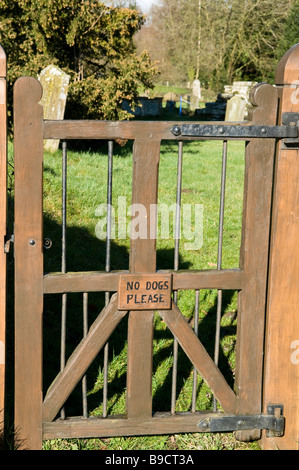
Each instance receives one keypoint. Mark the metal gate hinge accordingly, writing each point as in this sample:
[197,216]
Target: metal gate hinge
[273,422]
[288,131]
[291,120]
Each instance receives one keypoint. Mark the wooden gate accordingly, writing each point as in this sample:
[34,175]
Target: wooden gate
[240,408]
[3,228]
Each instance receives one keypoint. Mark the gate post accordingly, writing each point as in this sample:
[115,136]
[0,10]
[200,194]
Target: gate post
[3,227]
[281,369]
[28,151]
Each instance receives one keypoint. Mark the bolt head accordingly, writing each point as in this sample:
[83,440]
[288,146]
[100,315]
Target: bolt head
[176,130]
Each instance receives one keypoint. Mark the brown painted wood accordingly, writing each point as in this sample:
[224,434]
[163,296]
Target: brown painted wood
[131,130]
[144,291]
[259,168]
[226,279]
[229,279]
[3,228]
[28,150]
[199,357]
[81,282]
[81,359]
[281,374]
[160,423]
[146,155]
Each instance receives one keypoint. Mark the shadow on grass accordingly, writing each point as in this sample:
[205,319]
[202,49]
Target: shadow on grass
[87,253]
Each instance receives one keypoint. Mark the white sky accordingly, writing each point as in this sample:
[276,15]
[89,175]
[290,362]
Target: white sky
[145,4]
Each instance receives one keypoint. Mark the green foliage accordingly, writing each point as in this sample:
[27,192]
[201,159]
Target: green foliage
[217,40]
[290,36]
[87,39]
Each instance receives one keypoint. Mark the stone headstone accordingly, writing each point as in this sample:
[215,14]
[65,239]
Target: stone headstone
[235,109]
[238,105]
[240,88]
[195,96]
[55,84]
[196,88]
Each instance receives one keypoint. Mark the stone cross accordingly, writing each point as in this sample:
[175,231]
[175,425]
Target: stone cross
[55,87]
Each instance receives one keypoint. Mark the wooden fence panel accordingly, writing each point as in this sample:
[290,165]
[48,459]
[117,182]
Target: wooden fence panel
[3,225]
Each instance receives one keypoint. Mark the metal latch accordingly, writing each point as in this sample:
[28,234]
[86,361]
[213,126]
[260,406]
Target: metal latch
[273,422]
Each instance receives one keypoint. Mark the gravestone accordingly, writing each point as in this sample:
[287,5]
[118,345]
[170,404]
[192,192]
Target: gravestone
[238,105]
[235,109]
[195,96]
[55,87]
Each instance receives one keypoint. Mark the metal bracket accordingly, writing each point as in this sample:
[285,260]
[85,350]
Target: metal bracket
[273,422]
[290,120]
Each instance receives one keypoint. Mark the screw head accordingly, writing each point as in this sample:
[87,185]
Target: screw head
[32,242]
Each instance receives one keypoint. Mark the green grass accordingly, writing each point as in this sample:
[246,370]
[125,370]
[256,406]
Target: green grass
[87,185]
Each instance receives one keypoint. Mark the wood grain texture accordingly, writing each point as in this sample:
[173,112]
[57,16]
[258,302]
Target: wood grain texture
[81,359]
[281,372]
[131,130]
[159,423]
[229,279]
[259,168]
[28,150]
[146,156]
[144,291]
[3,229]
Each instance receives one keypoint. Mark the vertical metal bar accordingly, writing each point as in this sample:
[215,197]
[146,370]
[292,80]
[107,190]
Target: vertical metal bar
[196,318]
[219,258]
[85,331]
[108,267]
[63,260]
[176,266]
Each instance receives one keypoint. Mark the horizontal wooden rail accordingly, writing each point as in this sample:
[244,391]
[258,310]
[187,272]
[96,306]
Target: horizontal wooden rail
[131,130]
[160,423]
[100,281]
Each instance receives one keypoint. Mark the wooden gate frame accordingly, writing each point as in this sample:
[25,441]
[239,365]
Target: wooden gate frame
[34,413]
[3,229]
[281,370]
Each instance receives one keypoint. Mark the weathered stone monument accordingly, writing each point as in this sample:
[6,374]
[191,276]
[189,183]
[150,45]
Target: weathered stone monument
[55,84]
[235,109]
[238,105]
[195,96]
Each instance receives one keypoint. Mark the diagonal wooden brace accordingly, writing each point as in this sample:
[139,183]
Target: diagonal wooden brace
[199,357]
[81,359]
